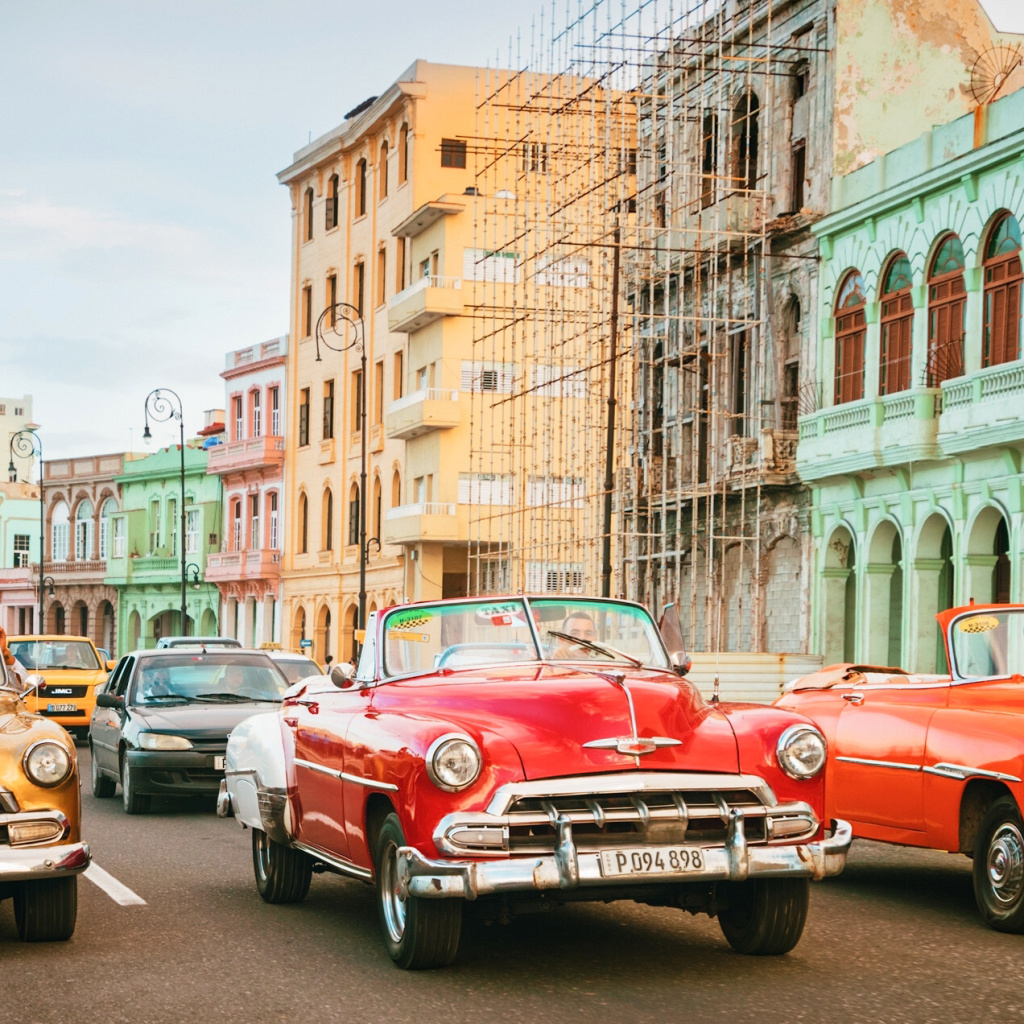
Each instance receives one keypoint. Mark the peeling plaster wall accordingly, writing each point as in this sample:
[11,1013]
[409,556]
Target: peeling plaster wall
[903,66]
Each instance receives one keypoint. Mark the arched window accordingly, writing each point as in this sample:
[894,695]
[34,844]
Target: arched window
[382,172]
[850,333]
[236,525]
[897,321]
[791,368]
[60,532]
[107,509]
[1003,278]
[376,507]
[403,154]
[353,515]
[303,524]
[361,188]
[946,296]
[396,490]
[745,142]
[308,214]
[84,530]
[328,521]
[331,206]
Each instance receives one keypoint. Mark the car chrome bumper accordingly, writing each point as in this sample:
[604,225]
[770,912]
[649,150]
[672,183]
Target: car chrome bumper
[31,863]
[569,868]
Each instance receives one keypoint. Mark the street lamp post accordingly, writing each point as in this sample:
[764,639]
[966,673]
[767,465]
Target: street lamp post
[331,317]
[163,405]
[25,443]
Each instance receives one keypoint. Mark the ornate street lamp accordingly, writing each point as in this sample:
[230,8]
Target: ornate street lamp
[332,317]
[194,569]
[24,444]
[163,405]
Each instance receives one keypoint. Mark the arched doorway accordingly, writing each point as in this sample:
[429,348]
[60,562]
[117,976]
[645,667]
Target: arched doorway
[298,628]
[105,625]
[135,631]
[883,596]
[934,589]
[208,623]
[987,561]
[57,618]
[322,638]
[838,597]
[80,618]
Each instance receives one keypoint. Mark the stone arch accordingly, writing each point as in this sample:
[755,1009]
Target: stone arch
[934,589]
[298,627]
[323,641]
[208,623]
[105,626]
[781,582]
[78,620]
[838,596]
[986,563]
[349,632]
[134,636]
[883,587]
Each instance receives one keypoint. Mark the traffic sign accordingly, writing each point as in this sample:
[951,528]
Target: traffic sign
[305,643]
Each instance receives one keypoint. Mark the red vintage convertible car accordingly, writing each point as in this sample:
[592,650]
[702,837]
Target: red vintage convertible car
[533,751]
[935,760]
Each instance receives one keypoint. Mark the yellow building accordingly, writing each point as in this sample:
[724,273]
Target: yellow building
[355,195]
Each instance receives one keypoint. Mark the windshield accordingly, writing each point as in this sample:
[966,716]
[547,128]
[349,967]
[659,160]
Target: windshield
[206,679]
[297,668]
[429,637]
[987,643]
[43,655]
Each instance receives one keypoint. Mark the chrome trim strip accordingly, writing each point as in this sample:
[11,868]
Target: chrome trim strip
[962,771]
[339,865]
[880,764]
[568,868]
[359,780]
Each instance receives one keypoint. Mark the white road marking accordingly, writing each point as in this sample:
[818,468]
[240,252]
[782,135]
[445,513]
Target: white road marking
[116,890]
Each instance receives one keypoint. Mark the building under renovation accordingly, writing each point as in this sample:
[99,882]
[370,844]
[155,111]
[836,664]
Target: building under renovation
[648,185]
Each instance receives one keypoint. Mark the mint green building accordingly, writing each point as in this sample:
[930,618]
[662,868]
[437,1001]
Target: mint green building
[144,563]
[914,452]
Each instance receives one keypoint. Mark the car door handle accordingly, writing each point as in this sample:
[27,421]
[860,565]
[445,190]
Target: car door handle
[854,698]
[314,706]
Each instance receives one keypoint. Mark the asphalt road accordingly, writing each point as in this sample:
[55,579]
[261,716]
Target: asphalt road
[894,939]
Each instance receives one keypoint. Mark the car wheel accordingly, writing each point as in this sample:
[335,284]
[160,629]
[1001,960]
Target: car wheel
[418,933]
[134,803]
[45,911]
[765,916]
[102,787]
[999,867]
[282,874]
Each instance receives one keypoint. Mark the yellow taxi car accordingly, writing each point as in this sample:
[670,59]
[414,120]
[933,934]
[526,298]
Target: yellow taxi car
[73,673]
[41,849]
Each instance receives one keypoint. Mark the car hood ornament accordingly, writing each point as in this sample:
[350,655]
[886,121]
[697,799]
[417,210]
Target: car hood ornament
[634,746]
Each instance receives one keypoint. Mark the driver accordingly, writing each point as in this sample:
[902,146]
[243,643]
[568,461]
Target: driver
[578,624]
[234,679]
[156,682]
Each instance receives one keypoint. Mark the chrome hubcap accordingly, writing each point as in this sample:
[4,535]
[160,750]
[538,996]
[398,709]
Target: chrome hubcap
[1006,864]
[392,904]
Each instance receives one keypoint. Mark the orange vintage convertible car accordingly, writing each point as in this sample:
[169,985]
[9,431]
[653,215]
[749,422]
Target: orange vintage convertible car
[935,760]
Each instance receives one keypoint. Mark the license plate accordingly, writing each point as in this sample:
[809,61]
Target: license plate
[218,761]
[61,708]
[659,860]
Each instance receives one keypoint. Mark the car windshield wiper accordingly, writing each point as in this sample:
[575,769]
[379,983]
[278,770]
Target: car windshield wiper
[149,698]
[225,697]
[600,648]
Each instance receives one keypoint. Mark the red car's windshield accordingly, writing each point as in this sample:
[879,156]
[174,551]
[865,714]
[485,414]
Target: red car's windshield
[459,635]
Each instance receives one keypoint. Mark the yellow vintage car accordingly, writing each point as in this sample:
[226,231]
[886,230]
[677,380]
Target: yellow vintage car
[41,849]
[73,673]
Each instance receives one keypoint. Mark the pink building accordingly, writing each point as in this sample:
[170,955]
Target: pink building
[250,463]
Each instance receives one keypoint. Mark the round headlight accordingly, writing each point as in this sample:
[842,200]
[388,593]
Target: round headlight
[158,741]
[801,751]
[47,763]
[453,762]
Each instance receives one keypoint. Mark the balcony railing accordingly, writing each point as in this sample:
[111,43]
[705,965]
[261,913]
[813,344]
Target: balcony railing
[430,520]
[425,301]
[230,566]
[422,411]
[985,408]
[248,453]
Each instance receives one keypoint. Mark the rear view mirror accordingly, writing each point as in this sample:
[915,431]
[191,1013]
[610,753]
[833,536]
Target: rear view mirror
[672,634]
[342,675]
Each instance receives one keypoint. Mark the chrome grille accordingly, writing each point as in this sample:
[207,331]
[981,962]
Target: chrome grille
[608,819]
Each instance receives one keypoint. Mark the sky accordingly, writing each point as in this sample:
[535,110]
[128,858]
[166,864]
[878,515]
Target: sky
[143,234]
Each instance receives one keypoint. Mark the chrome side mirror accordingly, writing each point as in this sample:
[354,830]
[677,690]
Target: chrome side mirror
[343,676]
[681,663]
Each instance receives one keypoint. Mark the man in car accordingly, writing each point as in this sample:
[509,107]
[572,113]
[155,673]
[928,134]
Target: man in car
[156,682]
[581,625]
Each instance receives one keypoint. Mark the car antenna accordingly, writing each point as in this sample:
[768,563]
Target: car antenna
[714,694]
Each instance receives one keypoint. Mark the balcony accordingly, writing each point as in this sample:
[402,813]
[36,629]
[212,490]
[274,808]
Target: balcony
[78,567]
[986,408]
[422,411]
[869,434]
[249,453]
[154,568]
[232,566]
[429,299]
[425,521]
